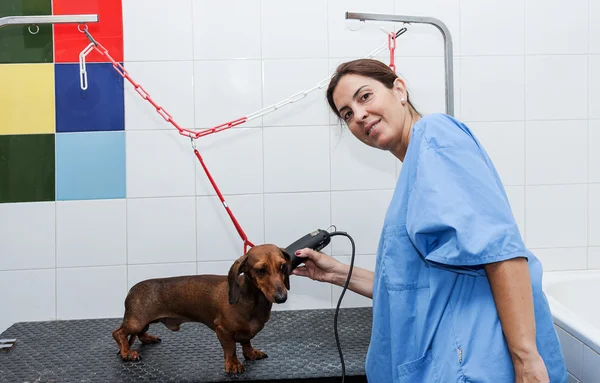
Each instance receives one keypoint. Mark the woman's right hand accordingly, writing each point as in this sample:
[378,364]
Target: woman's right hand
[319,266]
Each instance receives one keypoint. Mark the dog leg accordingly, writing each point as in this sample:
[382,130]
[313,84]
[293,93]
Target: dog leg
[120,335]
[250,353]
[232,363]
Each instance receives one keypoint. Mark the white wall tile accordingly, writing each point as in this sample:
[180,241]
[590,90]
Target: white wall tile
[19,224]
[170,84]
[215,267]
[516,198]
[556,216]
[594,215]
[496,137]
[593,257]
[352,299]
[226,91]
[483,27]
[284,29]
[426,40]
[594,85]
[354,37]
[356,166]
[161,230]
[591,365]
[289,216]
[573,352]
[137,273]
[545,34]
[493,88]
[554,157]
[159,164]
[360,214]
[234,158]
[560,259]
[425,79]
[594,26]
[28,295]
[593,152]
[296,159]
[91,233]
[226,29]
[149,35]
[217,237]
[279,85]
[556,87]
[91,292]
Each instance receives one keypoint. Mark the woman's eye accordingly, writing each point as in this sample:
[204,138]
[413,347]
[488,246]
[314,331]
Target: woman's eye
[347,116]
[365,96]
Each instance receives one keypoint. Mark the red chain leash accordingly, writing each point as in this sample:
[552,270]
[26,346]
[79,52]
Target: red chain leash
[185,132]
[392,47]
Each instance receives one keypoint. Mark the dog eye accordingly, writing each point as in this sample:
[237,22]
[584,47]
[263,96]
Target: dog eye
[283,267]
[261,271]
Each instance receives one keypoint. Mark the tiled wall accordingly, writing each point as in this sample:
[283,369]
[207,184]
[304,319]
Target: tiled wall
[97,191]
[583,363]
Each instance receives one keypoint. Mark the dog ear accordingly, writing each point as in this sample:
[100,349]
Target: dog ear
[288,260]
[238,267]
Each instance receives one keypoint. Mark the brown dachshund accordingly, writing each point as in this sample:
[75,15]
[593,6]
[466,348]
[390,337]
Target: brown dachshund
[235,306]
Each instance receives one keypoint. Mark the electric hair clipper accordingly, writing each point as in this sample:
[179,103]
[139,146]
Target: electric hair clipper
[316,240]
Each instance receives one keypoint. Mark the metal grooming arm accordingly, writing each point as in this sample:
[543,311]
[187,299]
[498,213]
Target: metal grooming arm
[422,20]
[48,19]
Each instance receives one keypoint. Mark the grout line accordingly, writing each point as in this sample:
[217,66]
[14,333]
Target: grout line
[588,162]
[525,121]
[196,219]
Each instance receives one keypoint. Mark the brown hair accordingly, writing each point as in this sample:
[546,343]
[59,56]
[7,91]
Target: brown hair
[365,67]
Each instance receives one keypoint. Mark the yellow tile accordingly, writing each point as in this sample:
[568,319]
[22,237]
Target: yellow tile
[27,99]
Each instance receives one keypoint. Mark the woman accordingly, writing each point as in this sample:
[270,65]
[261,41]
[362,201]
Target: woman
[457,296]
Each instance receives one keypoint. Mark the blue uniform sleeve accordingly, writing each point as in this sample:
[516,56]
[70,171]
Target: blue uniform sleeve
[458,213]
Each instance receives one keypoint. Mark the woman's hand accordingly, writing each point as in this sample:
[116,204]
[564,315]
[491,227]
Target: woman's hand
[324,268]
[531,370]
[318,266]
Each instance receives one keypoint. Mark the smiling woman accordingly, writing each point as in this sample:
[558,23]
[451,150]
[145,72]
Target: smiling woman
[377,117]
[454,284]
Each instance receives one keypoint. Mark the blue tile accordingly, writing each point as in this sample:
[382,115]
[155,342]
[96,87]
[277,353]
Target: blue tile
[90,165]
[101,107]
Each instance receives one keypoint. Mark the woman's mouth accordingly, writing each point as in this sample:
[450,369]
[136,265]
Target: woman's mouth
[372,128]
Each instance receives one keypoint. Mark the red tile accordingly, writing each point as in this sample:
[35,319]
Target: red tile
[108,31]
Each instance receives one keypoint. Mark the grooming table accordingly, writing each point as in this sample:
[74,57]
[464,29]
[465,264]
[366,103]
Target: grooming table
[300,346]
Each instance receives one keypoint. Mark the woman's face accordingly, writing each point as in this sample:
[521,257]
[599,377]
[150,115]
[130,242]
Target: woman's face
[375,114]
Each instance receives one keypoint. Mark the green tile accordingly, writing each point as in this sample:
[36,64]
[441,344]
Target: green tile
[27,168]
[17,44]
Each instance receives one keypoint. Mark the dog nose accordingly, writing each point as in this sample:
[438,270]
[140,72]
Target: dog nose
[280,297]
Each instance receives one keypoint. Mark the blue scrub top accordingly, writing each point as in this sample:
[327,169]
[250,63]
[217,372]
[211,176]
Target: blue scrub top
[434,316]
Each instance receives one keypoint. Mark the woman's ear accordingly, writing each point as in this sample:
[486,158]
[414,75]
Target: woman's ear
[400,88]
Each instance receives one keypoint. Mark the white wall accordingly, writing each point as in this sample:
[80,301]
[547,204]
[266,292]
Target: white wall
[527,80]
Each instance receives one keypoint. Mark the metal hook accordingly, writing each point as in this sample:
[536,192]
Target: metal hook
[192,141]
[36,32]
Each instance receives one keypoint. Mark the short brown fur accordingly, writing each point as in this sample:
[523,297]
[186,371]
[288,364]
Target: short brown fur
[235,306]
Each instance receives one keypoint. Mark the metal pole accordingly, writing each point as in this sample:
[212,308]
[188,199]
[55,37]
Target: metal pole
[449,71]
[48,19]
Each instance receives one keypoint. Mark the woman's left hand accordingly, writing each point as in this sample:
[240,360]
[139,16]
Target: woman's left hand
[531,369]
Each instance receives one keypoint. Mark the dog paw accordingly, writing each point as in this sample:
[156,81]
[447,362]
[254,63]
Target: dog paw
[131,356]
[234,367]
[255,355]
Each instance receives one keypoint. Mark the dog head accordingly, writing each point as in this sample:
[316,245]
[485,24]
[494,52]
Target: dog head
[267,267]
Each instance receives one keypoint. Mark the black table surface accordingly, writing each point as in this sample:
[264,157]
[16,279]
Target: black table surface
[300,345]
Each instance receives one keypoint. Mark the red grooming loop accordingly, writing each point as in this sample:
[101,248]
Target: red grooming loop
[195,135]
